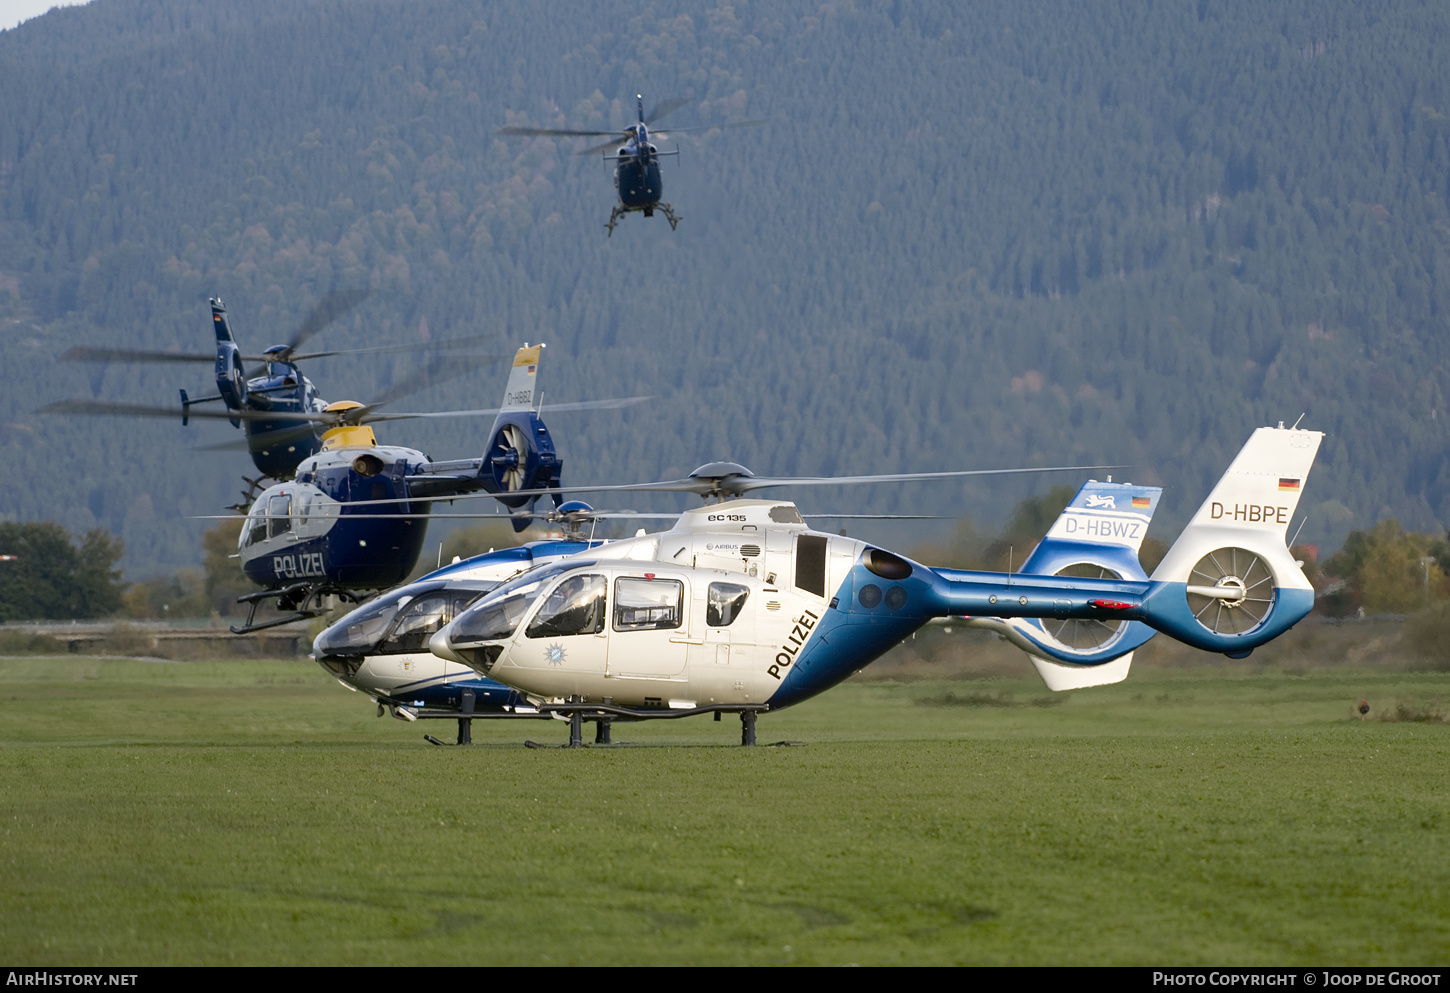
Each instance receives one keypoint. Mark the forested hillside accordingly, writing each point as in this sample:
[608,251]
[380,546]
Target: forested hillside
[967,236]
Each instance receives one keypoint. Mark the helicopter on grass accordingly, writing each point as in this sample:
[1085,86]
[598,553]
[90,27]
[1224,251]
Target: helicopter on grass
[354,517]
[741,608]
[637,179]
[381,649]
[265,402]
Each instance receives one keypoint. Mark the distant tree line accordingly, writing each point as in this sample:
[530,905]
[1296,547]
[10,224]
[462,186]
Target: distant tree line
[51,576]
[969,234]
[1385,570]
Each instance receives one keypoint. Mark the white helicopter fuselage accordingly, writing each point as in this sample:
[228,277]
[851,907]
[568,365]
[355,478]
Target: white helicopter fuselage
[715,611]
[382,649]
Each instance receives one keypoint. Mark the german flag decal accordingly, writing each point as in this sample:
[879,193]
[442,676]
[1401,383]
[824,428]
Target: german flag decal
[1289,485]
[1142,502]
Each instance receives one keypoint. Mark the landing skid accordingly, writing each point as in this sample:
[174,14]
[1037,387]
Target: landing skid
[578,713]
[295,598]
[617,212]
[604,714]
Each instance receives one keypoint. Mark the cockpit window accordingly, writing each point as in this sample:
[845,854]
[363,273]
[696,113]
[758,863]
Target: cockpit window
[494,620]
[724,603]
[397,622]
[416,624]
[358,633]
[497,616]
[641,604]
[575,606]
[279,515]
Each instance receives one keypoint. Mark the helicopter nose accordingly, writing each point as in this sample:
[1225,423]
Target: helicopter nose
[441,647]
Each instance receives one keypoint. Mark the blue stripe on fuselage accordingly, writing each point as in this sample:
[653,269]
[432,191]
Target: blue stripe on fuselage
[849,636]
[488,696]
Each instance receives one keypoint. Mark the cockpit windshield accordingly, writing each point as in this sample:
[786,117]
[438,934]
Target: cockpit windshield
[360,631]
[400,622]
[498,615]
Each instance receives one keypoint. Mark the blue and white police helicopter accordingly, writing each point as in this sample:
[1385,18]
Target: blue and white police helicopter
[381,648]
[275,405]
[742,608]
[637,179]
[355,516]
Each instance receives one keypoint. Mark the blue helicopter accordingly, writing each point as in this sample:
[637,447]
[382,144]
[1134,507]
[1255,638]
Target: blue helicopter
[354,517]
[265,402]
[741,608]
[637,179]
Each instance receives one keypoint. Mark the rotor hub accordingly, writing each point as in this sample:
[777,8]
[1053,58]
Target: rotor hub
[1230,590]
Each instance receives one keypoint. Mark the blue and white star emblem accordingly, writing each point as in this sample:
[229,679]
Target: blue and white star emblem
[554,655]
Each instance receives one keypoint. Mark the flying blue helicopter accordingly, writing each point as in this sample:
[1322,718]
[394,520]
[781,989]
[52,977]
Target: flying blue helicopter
[637,179]
[265,401]
[354,517]
[741,608]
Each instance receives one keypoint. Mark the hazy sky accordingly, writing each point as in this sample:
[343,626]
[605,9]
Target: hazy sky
[12,12]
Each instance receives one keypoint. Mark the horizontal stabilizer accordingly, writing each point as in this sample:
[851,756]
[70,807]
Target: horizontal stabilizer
[1060,677]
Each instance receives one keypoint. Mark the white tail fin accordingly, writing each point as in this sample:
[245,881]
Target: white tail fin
[1229,584]
[1254,501]
[520,394]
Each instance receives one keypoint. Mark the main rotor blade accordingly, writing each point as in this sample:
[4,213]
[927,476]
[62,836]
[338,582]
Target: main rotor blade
[137,410]
[614,404]
[729,484]
[880,517]
[600,147]
[321,512]
[665,107]
[411,347]
[746,484]
[260,443]
[439,369]
[553,132]
[331,307]
[665,132]
[83,353]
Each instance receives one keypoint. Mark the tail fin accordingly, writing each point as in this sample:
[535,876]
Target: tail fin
[1229,584]
[219,320]
[520,453]
[1097,536]
[231,376]
[520,392]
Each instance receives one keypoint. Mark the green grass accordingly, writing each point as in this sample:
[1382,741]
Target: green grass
[257,813]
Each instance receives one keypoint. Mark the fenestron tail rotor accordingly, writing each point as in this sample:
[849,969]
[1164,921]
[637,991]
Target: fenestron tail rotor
[510,456]
[1230,590]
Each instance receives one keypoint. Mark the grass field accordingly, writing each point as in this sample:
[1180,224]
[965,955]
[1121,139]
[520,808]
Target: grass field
[257,813]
